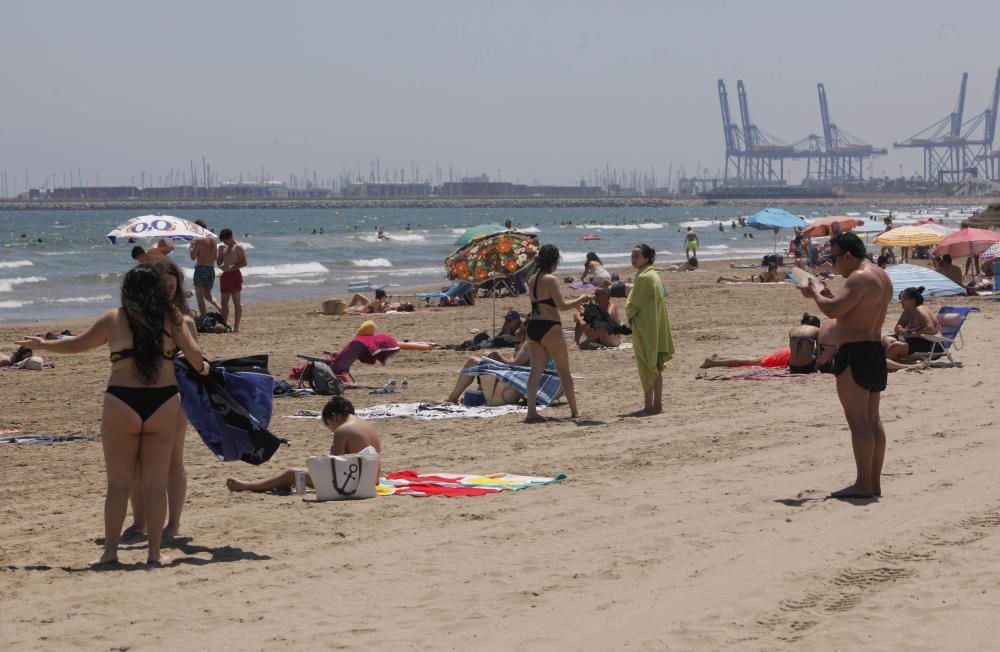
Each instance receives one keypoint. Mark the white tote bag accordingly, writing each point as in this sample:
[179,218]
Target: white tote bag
[345,477]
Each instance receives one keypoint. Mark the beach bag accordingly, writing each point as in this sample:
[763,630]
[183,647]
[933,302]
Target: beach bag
[334,307]
[345,477]
[319,377]
[34,363]
[496,392]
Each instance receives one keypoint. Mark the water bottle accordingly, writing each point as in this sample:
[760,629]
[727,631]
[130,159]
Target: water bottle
[300,482]
[404,384]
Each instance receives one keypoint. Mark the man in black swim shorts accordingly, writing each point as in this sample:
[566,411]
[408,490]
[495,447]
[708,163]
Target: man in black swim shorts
[859,363]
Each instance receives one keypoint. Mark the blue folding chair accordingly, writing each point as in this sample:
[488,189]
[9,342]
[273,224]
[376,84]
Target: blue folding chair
[460,292]
[951,319]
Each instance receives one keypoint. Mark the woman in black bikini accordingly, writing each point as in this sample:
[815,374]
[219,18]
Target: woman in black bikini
[915,321]
[544,329]
[141,405]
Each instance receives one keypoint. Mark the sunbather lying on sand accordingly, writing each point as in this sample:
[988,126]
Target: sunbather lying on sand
[770,276]
[350,435]
[520,358]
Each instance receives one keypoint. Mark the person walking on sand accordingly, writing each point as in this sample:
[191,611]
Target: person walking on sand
[859,362]
[231,258]
[350,435]
[544,330]
[652,341]
[691,244]
[203,251]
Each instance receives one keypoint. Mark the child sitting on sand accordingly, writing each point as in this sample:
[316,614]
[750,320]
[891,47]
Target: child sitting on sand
[350,435]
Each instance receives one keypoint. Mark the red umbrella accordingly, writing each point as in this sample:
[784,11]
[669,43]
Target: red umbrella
[824,225]
[966,242]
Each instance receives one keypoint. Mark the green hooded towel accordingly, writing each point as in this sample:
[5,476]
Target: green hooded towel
[647,315]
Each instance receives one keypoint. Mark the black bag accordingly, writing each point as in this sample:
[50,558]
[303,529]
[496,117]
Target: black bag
[320,378]
[206,323]
[599,318]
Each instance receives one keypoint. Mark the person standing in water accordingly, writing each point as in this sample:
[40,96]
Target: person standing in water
[691,244]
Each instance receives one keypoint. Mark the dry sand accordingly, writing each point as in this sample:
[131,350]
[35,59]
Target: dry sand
[704,527]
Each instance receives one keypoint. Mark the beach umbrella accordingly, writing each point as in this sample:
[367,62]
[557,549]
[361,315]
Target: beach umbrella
[493,255]
[935,285]
[991,253]
[775,219]
[157,227]
[477,231]
[909,236]
[966,242]
[824,225]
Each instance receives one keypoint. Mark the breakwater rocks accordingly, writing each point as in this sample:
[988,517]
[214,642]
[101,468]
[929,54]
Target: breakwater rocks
[483,202]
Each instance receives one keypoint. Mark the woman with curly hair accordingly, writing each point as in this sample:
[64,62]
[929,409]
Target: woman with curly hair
[544,329]
[141,406]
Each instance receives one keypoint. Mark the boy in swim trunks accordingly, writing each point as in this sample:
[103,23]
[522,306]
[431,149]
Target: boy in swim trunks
[859,363]
[232,257]
[690,244]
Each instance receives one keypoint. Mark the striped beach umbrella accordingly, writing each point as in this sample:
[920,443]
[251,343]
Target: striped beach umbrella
[991,253]
[909,236]
[910,276]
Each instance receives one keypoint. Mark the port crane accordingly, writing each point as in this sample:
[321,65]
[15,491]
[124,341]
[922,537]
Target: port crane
[836,156]
[956,149]
[753,156]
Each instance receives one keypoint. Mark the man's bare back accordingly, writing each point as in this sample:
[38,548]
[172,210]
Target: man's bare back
[203,250]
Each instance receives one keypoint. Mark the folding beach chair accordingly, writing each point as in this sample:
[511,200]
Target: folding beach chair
[951,319]
[459,293]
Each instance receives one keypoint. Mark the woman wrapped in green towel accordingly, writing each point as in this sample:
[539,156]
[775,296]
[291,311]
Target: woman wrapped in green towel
[651,338]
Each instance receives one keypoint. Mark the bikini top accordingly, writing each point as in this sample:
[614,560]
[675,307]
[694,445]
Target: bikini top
[534,293]
[130,353]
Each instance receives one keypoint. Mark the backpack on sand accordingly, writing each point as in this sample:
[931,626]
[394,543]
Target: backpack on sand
[320,378]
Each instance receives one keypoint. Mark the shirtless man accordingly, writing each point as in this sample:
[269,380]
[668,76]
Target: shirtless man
[691,244]
[203,251]
[231,258]
[950,270]
[157,254]
[584,333]
[859,362]
[350,435]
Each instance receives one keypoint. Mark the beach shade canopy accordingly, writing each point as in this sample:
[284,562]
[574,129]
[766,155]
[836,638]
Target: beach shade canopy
[911,276]
[966,242]
[991,253]
[477,231]
[909,236]
[775,218]
[157,227]
[824,225]
[496,254]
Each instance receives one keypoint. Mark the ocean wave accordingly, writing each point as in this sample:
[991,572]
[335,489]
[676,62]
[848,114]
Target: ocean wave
[621,227]
[719,246]
[702,224]
[391,237]
[16,263]
[111,277]
[102,297]
[7,284]
[416,270]
[250,286]
[286,269]
[59,253]
[530,229]
[370,262]
[15,304]
[302,281]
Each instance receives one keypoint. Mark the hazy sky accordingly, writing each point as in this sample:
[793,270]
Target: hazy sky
[541,91]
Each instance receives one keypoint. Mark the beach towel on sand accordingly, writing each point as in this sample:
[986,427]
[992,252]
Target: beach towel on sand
[453,485]
[230,410]
[652,341]
[425,411]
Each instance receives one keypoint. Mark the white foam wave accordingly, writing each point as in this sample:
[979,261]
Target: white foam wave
[7,284]
[406,237]
[58,253]
[257,285]
[371,262]
[623,227]
[530,229]
[15,304]
[247,245]
[16,263]
[101,297]
[701,224]
[302,281]
[415,271]
[287,269]
[719,246]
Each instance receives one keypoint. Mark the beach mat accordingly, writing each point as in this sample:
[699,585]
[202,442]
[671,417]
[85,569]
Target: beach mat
[425,411]
[760,373]
[43,439]
[455,485]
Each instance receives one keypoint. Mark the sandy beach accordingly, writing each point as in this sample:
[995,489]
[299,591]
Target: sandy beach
[704,527]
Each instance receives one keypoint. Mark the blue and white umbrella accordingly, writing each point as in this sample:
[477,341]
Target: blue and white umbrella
[157,227]
[775,219]
[911,276]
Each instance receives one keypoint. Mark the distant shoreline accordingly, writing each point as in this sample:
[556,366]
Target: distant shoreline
[483,202]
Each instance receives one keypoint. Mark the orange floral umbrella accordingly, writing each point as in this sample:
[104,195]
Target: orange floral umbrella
[494,254]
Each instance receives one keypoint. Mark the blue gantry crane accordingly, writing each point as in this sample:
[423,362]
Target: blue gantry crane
[955,149]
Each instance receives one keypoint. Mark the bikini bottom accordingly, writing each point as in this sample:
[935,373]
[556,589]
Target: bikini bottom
[537,328]
[144,401]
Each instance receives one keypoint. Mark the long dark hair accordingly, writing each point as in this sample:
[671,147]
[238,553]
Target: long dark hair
[178,300]
[591,257]
[548,258]
[147,309]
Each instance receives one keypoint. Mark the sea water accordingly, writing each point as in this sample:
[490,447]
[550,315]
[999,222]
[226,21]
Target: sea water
[58,264]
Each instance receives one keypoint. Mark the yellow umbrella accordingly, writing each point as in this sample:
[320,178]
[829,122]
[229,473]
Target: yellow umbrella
[909,236]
